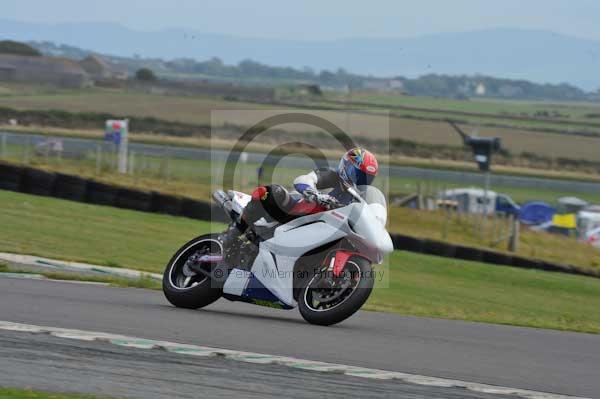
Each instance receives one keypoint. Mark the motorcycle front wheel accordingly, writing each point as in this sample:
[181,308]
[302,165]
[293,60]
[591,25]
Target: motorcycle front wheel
[328,300]
[185,288]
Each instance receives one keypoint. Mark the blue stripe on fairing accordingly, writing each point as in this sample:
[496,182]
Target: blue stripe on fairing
[256,290]
[300,187]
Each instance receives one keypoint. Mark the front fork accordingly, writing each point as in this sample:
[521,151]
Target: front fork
[336,260]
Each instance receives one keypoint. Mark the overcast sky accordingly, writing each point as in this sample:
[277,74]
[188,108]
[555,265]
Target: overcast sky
[320,19]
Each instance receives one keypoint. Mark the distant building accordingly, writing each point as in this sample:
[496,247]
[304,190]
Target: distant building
[396,85]
[45,70]
[383,85]
[480,90]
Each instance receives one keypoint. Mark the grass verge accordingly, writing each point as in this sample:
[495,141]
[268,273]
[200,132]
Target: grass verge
[418,285]
[87,233]
[430,286]
[142,282]
[12,393]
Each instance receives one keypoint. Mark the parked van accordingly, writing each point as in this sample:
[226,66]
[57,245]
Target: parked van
[473,200]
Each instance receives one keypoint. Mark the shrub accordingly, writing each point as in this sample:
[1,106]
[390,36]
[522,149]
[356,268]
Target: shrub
[145,75]
[17,48]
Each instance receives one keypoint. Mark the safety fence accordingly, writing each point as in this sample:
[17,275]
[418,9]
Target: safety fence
[75,188]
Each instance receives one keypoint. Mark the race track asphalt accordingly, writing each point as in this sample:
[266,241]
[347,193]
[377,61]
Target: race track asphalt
[548,361]
[60,365]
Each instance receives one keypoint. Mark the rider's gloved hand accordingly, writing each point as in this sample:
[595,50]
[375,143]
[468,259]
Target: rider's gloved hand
[324,200]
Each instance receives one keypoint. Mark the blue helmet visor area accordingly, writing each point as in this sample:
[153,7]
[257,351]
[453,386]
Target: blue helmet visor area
[357,176]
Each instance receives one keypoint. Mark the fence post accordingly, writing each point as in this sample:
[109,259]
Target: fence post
[513,243]
[98,159]
[3,146]
[165,165]
[47,152]
[26,151]
[493,231]
[446,211]
[132,163]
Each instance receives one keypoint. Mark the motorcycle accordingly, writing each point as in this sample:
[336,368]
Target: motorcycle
[320,261]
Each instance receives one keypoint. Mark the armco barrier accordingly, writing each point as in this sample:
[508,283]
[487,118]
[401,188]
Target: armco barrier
[40,182]
[11,177]
[70,187]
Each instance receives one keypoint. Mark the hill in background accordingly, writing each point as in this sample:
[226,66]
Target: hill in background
[537,56]
[253,73]
[18,48]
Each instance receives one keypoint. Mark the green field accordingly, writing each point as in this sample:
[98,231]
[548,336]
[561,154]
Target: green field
[570,111]
[10,393]
[373,122]
[418,285]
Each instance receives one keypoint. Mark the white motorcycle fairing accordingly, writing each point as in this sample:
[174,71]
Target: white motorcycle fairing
[271,279]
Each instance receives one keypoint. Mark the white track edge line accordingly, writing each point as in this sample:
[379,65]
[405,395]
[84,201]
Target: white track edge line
[251,357]
[74,267]
[41,277]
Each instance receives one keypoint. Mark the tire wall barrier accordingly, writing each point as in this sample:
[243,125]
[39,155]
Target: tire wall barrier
[134,199]
[11,177]
[101,194]
[39,182]
[75,188]
[162,203]
[70,187]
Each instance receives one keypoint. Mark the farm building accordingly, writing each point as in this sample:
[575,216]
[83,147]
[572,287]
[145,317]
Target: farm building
[46,70]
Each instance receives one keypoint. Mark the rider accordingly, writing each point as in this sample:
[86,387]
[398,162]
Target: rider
[357,167]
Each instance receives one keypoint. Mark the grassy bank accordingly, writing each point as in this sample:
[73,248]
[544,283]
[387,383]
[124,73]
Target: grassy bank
[459,229]
[418,285]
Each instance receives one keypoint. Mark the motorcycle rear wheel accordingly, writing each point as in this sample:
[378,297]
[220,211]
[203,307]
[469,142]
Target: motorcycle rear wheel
[185,288]
[325,307]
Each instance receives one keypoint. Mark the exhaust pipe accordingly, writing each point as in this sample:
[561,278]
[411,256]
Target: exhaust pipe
[224,201]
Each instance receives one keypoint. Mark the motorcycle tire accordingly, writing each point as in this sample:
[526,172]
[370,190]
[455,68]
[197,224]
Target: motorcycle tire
[349,305]
[201,293]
